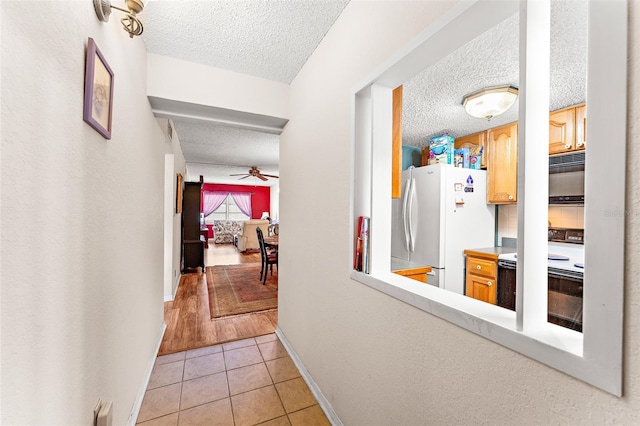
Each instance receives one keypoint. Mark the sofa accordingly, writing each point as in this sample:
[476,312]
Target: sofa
[224,230]
[247,237]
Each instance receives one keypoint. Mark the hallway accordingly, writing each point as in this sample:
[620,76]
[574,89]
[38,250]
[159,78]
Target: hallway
[245,382]
[230,371]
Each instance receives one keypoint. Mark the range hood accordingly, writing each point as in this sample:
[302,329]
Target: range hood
[571,162]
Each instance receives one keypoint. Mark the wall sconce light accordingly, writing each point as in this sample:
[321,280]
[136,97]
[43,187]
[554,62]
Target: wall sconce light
[490,102]
[131,24]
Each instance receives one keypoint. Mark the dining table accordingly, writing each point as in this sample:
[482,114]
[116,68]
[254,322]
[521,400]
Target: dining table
[271,241]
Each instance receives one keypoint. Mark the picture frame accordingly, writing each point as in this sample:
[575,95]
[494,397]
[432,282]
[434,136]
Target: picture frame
[179,189]
[98,91]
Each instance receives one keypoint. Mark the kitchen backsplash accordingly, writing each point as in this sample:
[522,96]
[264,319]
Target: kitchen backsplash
[559,217]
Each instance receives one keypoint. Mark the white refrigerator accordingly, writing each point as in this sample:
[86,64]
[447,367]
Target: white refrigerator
[442,212]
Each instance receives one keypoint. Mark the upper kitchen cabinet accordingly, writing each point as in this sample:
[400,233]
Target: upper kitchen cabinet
[472,141]
[561,131]
[567,129]
[502,164]
[581,126]
[396,144]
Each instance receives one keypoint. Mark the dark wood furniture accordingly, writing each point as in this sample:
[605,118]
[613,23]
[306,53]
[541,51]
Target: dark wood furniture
[192,240]
[269,257]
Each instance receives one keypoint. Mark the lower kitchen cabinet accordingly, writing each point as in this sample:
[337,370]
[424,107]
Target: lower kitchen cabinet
[418,274]
[481,277]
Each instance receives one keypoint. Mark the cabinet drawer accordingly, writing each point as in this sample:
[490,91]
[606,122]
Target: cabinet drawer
[483,267]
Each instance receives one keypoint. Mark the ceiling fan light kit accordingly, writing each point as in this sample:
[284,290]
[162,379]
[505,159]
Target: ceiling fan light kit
[130,22]
[490,101]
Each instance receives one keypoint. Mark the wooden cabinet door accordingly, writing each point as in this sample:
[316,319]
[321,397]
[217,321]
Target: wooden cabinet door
[396,143]
[472,141]
[581,127]
[481,288]
[502,164]
[562,131]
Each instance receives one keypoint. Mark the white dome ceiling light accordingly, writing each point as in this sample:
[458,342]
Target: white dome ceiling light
[490,101]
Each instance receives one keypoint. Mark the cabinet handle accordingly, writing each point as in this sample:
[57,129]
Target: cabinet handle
[567,146]
[478,267]
[489,283]
[580,144]
[511,197]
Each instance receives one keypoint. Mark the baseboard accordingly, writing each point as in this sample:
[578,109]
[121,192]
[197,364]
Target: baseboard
[176,283]
[135,410]
[324,402]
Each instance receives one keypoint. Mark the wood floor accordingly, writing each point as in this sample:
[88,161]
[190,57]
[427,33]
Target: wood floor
[189,323]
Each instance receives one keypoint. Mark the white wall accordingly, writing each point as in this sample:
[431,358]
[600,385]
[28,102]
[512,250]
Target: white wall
[215,87]
[82,252]
[174,164]
[274,201]
[377,360]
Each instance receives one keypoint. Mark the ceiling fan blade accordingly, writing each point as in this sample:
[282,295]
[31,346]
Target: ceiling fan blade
[272,176]
[243,177]
[259,176]
[239,174]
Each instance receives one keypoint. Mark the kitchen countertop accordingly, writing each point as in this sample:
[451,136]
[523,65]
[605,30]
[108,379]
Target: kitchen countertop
[398,264]
[490,252]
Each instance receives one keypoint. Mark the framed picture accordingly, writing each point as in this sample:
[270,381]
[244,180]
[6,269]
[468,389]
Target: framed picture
[179,194]
[98,91]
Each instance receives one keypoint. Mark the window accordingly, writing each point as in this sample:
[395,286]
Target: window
[595,356]
[228,210]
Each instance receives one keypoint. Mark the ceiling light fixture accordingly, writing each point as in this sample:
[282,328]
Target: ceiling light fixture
[131,24]
[490,101]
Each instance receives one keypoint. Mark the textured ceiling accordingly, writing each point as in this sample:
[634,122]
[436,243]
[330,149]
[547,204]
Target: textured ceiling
[432,102]
[273,39]
[268,39]
[262,38]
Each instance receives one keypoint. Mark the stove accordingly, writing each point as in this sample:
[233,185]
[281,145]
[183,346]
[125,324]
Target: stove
[565,277]
[565,251]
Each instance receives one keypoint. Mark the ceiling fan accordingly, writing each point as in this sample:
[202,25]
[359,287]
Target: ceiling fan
[253,171]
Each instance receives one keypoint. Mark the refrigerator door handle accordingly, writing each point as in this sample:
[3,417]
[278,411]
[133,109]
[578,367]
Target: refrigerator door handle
[412,196]
[405,199]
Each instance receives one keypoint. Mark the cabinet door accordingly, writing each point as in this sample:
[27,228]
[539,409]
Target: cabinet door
[502,164]
[472,141]
[396,143]
[562,131]
[581,127]
[481,288]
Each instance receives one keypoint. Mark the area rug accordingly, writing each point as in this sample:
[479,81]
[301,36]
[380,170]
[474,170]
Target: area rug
[237,289]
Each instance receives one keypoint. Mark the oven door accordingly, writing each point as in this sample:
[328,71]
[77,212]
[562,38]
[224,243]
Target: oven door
[565,299]
[506,296]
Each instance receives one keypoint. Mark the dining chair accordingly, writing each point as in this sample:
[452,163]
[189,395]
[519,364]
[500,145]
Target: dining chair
[269,257]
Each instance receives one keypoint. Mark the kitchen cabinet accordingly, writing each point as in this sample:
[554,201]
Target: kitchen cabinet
[409,269]
[418,274]
[581,127]
[562,131]
[481,276]
[567,129]
[396,143]
[472,141]
[502,164]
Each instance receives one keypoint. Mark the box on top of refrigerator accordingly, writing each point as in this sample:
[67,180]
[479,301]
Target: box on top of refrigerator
[441,149]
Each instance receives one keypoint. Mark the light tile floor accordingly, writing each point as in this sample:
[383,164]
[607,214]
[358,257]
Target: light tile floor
[246,382]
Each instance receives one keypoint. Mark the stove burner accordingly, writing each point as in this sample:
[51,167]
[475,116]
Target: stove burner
[557,257]
[579,265]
